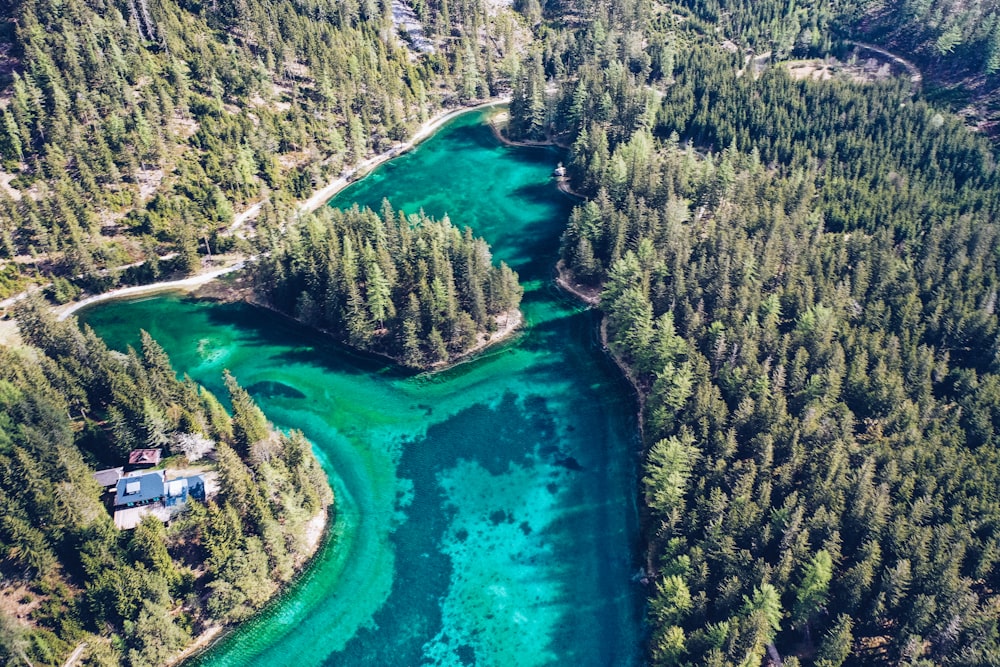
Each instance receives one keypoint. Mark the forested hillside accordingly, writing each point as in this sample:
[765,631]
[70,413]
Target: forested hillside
[68,406]
[956,44]
[802,278]
[418,290]
[957,40]
[134,129]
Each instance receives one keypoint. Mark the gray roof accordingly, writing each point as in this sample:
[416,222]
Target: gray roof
[139,489]
[109,477]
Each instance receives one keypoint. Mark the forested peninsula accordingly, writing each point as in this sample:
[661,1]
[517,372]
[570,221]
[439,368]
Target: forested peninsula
[415,289]
[68,406]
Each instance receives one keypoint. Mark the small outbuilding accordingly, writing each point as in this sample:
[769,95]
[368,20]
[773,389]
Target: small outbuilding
[144,458]
[109,478]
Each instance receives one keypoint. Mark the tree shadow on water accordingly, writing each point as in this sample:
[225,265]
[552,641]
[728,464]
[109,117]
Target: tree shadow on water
[301,343]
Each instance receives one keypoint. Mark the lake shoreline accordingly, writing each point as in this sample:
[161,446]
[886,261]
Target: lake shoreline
[498,121]
[426,461]
[562,181]
[205,281]
[9,334]
[359,171]
[513,322]
[188,284]
[591,296]
[317,533]
[565,279]
[8,328]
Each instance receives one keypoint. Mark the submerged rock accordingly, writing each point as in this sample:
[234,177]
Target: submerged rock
[271,389]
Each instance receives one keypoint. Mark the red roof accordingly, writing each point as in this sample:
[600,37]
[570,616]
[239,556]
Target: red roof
[149,457]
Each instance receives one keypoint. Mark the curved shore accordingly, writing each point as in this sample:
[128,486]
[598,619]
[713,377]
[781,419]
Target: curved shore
[183,284]
[562,182]
[512,323]
[421,460]
[348,176]
[431,126]
[586,293]
[319,527]
[9,335]
[495,124]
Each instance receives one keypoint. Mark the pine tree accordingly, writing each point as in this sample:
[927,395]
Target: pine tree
[811,595]
[159,374]
[249,423]
[379,295]
[835,648]
[668,469]
[993,52]
[219,422]
[437,350]
[154,426]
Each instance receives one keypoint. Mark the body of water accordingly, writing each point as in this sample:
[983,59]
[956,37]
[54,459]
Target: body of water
[485,515]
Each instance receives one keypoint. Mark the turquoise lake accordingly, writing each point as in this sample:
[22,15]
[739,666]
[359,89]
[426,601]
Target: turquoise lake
[486,514]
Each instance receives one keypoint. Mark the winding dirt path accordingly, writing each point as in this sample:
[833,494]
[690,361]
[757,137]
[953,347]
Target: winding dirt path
[915,76]
[64,311]
[243,217]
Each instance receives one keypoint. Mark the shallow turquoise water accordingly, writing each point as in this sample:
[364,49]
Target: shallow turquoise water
[486,514]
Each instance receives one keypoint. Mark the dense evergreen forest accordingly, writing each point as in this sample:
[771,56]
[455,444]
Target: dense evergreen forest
[69,405]
[802,277]
[132,130]
[418,290]
[956,43]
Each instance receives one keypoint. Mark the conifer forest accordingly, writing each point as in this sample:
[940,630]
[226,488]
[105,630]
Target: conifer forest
[787,215]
